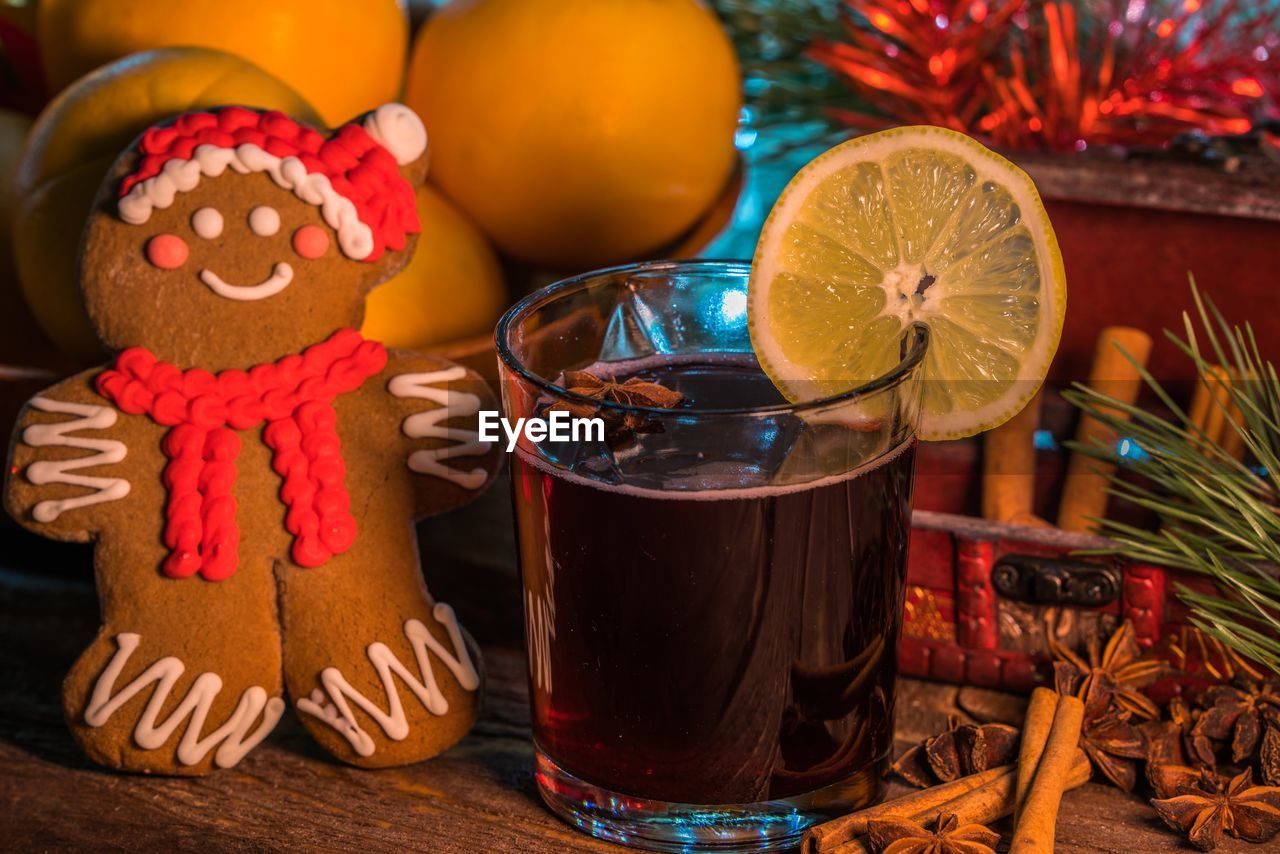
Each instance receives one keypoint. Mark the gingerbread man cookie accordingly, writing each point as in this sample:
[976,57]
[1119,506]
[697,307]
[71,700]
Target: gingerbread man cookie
[249,466]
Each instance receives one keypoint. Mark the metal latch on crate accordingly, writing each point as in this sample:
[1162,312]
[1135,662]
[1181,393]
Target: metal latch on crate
[1055,581]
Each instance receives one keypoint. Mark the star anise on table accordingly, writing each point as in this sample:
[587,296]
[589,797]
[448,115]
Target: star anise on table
[961,750]
[632,392]
[1237,712]
[903,836]
[1115,674]
[1212,804]
[1114,746]
[1269,751]
[1170,780]
[1173,741]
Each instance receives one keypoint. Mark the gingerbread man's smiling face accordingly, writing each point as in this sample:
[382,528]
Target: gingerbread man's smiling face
[247,221]
[309,242]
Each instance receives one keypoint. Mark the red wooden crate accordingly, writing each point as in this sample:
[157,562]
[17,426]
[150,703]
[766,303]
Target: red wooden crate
[1131,229]
[961,626]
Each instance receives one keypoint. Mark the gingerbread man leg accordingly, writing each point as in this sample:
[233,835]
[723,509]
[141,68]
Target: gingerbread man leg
[184,677]
[378,672]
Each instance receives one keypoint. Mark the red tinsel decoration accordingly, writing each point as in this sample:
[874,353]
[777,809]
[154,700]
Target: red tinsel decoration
[1061,75]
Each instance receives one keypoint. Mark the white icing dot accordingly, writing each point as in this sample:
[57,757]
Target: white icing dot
[207,223]
[264,221]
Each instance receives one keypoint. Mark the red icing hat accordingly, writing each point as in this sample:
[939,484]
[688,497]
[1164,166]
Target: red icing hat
[352,175]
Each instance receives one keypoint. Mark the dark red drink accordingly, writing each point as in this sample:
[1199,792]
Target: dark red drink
[710,645]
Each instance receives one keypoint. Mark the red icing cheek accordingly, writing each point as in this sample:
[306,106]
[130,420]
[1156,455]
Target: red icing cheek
[167,251]
[310,241]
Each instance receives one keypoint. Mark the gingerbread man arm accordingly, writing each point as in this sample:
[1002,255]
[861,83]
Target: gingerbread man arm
[63,461]
[435,403]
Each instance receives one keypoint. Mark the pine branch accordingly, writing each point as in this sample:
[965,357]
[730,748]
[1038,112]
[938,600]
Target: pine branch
[1218,516]
[787,93]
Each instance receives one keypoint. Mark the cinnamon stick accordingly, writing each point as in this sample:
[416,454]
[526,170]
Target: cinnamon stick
[1034,833]
[1035,734]
[1009,467]
[1209,405]
[824,837]
[995,800]
[983,805]
[1230,439]
[1202,398]
[1084,491]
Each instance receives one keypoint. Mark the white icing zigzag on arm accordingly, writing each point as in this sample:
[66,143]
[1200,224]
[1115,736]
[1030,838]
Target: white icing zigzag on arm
[55,434]
[422,425]
[394,723]
[234,737]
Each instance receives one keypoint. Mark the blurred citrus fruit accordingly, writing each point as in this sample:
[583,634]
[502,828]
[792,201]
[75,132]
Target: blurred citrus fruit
[577,132]
[453,288]
[73,144]
[343,57]
[13,134]
[20,340]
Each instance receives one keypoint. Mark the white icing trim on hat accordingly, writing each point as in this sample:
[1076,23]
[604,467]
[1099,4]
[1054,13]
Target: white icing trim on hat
[399,130]
[355,238]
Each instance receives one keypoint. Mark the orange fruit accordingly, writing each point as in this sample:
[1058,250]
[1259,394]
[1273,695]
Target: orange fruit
[453,288]
[13,135]
[73,144]
[345,58]
[576,133]
[20,340]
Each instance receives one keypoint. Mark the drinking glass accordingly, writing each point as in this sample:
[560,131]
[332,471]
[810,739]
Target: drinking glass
[713,591]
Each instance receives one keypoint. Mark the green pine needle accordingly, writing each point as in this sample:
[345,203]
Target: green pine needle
[1218,516]
[788,95]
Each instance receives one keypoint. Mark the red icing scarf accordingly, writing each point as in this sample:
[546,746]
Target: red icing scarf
[294,398]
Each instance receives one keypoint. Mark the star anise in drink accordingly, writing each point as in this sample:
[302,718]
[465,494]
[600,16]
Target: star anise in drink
[1212,804]
[903,836]
[1114,746]
[633,392]
[1236,712]
[1114,674]
[961,750]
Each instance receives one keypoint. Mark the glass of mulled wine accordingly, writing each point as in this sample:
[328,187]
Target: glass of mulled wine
[713,588]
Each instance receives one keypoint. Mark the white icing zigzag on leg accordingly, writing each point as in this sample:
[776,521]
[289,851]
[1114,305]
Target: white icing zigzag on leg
[394,723]
[235,736]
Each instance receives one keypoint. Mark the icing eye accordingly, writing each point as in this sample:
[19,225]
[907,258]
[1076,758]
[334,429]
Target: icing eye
[310,241]
[206,223]
[167,251]
[264,221]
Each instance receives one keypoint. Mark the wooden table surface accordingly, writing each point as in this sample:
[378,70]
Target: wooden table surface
[478,797]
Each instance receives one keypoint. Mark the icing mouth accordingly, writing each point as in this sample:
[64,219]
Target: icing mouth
[279,279]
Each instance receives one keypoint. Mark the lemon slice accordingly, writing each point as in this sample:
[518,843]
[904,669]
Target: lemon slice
[910,224]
